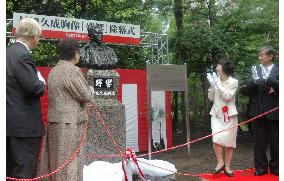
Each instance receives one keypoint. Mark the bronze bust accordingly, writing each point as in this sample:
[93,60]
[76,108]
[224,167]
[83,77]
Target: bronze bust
[94,54]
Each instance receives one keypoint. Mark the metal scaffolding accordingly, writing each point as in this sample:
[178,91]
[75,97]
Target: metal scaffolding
[158,43]
[159,47]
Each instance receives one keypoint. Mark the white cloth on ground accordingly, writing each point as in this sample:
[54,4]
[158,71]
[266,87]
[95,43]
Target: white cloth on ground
[101,170]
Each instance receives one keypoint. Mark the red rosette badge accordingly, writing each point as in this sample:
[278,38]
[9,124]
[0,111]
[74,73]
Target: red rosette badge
[225,112]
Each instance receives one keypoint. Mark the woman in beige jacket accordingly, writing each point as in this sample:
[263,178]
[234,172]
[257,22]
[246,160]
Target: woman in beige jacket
[223,113]
[68,93]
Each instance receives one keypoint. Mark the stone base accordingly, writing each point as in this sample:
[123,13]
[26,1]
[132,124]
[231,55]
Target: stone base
[98,142]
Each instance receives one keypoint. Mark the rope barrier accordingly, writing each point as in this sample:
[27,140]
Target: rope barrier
[123,155]
[202,138]
[59,168]
[66,162]
[189,174]
[196,140]
[102,156]
[130,154]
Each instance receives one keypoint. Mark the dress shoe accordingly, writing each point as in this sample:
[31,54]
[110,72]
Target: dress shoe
[229,174]
[219,170]
[259,173]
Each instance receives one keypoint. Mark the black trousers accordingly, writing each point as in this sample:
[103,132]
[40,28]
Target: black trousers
[22,156]
[266,132]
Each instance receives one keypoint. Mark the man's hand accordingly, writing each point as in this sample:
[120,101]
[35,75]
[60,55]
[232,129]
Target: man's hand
[40,77]
[254,73]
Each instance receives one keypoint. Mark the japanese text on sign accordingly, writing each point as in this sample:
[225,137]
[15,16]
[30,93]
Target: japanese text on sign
[73,25]
[103,83]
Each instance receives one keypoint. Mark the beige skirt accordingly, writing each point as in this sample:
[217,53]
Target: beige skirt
[226,138]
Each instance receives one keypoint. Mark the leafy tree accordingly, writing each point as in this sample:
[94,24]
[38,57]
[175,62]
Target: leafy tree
[213,29]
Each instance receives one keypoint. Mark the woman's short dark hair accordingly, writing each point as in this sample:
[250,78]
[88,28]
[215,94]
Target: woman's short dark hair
[227,66]
[67,49]
[269,50]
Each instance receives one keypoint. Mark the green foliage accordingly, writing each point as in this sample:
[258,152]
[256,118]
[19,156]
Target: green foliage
[227,28]
[45,54]
[131,57]
[196,109]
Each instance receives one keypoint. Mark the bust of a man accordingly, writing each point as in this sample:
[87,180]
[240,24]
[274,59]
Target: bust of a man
[96,55]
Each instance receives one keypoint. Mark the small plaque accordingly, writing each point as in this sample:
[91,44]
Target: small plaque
[103,84]
[167,77]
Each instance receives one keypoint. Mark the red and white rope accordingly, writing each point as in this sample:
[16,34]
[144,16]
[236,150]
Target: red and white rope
[202,138]
[123,155]
[59,168]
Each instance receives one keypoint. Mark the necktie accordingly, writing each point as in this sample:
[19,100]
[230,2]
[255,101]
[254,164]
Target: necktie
[267,71]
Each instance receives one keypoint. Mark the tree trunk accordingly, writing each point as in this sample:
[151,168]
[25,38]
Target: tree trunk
[181,54]
[182,109]
[82,12]
[210,17]
[178,12]
[179,24]
[175,111]
[75,9]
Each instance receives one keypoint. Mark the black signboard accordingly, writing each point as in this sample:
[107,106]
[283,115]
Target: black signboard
[103,83]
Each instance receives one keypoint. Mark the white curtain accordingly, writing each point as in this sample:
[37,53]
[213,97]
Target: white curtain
[129,99]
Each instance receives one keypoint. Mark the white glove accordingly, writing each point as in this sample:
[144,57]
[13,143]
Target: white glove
[254,73]
[40,77]
[215,77]
[210,80]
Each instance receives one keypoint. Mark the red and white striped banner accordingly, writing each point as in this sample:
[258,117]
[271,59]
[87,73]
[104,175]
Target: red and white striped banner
[60,27]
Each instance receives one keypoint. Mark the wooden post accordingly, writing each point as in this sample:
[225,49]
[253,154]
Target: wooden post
[149,110]
[186,111]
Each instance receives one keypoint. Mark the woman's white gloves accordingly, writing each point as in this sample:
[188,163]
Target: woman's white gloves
[213,80]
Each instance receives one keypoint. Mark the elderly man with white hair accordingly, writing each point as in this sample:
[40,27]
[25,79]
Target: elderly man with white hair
[24,87]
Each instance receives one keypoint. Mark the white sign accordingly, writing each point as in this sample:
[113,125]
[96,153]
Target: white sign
[60,27]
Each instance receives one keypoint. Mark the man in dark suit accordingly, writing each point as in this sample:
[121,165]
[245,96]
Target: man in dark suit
[24,87]
[263,90]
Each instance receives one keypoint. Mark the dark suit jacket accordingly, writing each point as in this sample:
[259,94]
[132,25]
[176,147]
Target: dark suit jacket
[23,91]
[261,99]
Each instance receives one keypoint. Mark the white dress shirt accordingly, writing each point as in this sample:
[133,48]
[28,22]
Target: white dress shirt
[266,69]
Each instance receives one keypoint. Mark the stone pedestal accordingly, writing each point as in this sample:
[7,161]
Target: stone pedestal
[105,83]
